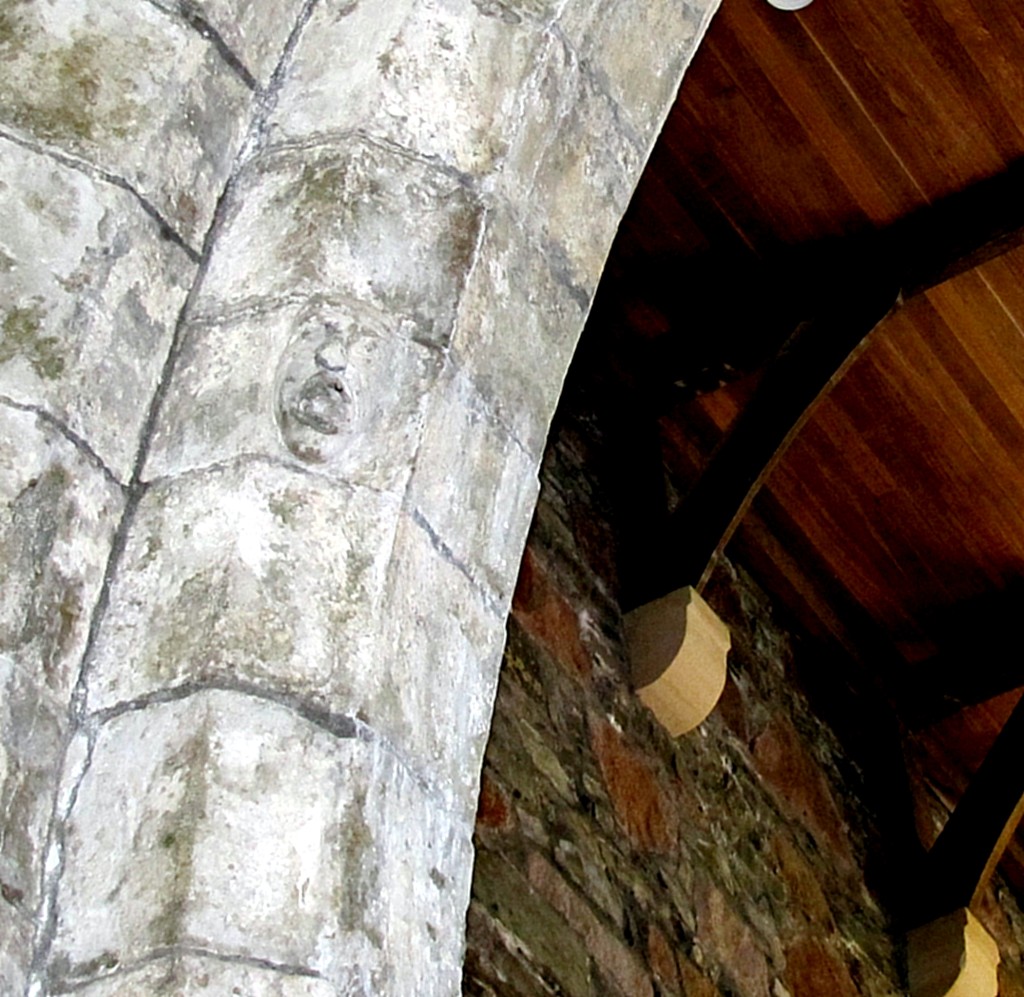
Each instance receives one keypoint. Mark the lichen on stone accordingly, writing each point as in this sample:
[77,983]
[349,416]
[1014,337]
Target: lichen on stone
[67,95]
[21,335]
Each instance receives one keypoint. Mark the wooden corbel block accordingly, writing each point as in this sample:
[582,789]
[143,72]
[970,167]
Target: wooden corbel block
[953,956]
[678,648]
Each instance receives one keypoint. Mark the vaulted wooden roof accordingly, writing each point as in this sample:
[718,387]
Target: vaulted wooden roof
[795,177]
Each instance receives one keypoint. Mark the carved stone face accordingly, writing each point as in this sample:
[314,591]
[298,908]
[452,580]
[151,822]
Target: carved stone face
[314,404]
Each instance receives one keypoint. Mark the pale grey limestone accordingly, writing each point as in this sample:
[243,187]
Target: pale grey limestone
[89,296]
[260,577]
[357,219]
[199,976]
[254,31]
[587,164]
[132,91]
[474,486]
[515,350]
[441,654]
[253,573]
[399,63]
[16,932]
[336,386]
[58,514]
[637,52]
[247,831]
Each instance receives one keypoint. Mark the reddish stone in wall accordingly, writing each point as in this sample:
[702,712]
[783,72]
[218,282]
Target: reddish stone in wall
[662,960]
[731,943]
[637,796]
[784,763]
[695,983]
[813,968]
[806,898]
[547,616]
[493,810]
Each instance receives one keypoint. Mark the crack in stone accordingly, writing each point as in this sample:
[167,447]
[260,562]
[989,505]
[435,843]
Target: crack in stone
[438,543]
[69,434]
[197,952]
[266,99]
[94,172]
[191,14]
[341,726]
[338,725]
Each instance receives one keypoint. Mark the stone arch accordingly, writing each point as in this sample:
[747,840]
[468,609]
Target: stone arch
[289,293]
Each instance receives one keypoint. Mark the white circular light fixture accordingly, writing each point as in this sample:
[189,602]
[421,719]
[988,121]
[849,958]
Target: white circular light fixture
[789,4]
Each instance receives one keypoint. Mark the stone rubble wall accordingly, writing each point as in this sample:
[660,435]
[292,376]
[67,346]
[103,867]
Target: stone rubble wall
[287,293]
[614,861]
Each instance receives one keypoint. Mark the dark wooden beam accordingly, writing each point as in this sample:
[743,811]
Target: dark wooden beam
[848,291]
[984,632]
[961,862]
[805,369]
[958,233]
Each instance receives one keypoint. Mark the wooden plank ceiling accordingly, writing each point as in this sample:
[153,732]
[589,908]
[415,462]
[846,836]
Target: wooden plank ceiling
[894,525]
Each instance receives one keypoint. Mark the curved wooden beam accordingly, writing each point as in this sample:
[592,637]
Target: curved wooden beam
[808,366]
[850,294]
[960,864]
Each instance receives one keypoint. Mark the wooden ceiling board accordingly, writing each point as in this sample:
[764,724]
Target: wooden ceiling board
[941,131]
[827,110]
[974,474]
[907,537]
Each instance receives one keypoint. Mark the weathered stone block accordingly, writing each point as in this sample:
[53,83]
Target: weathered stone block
[254,32]
[507,896]
[248,573]
[346,399]
[254,834]
[361,220]
[466,448]
[637,53]
[90,295]
[640,798]
[435,76]
[730,942]
[58,514]
[518,323]
[15,948]
[574,160]
[34,729]
[613,957]
[131,90]
[812,967]
[439,665]
[588,162]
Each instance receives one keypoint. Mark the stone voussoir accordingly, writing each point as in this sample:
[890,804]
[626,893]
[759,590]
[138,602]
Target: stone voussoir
[58,516]
[131,90]
[399,62]
[332,217]
[465,446]
[345,400]
[91,293]
[242,829]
